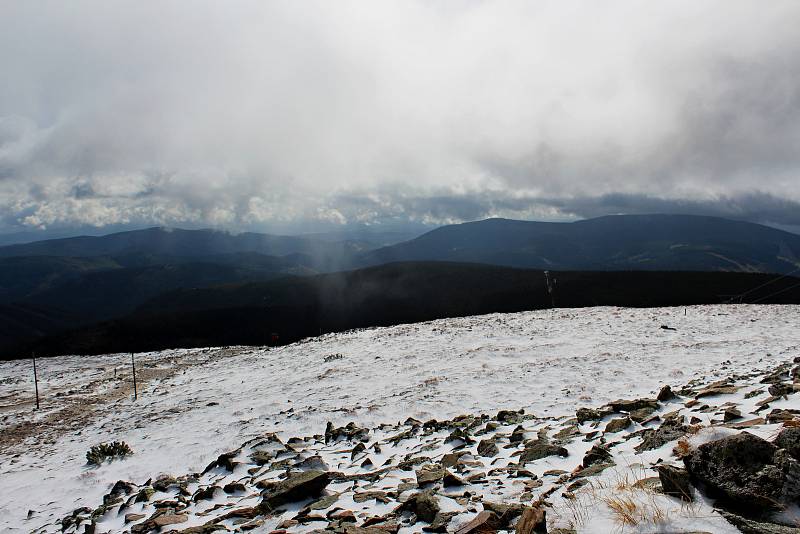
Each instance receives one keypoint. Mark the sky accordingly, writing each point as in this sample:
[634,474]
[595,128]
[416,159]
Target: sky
[314,115]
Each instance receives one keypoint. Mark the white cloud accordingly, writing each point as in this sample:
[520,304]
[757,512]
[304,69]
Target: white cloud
[242,113]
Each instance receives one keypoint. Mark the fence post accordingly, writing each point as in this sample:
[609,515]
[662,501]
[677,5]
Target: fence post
[133,367]
[35,379]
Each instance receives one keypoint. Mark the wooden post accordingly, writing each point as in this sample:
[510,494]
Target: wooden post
[133,367]
[35,379]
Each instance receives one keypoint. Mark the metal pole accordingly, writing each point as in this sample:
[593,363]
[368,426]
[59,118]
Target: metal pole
[35,379]
[133,366]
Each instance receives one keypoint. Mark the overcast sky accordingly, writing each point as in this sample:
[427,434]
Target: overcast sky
[272,114]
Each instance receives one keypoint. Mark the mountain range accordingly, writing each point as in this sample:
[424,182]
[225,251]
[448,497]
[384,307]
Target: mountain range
[49,287]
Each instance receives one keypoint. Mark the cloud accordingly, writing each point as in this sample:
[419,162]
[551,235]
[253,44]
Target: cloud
[264,113]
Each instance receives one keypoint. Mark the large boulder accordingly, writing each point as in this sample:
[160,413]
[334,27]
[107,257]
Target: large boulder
[789,439]
[299,486]
[746,471]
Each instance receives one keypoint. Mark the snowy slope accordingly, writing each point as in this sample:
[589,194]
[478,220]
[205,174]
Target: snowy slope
[197,404]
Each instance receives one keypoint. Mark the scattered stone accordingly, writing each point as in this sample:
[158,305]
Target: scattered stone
[731,414]
[642,414]
[541,448]
[675,482]
[781,416]
[631,405]
[716,390]
[132,518]
[424,504]
[483,522]
[670,430]
[588,414]
[532,521]
[297,487]
[440,522]
[450,480]
[488,448]
[665,394]
[429,474]
[364,496]
[618,425]
[170,519]
[596,455]
[782,388]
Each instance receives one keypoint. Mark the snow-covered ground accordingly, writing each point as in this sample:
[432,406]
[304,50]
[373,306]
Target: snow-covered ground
[196,404]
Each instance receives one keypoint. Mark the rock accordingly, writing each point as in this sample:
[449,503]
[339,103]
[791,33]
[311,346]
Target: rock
[424,504]
[460,434]
[451,459]
[345,516]
[779,416]
[261,457]
[163,483]
[532,521]
[131,518]
[234,487]
[429,474]
[517,435]
[225,461]
[145,494]
[358,449]
[365,496]
[780,389]
[675,482]
[483,522]
[596,455]
[505,512]
[631,405]
[716,390]
[540,448]
[509,416]
[312,463]
[204,494]
[789,439]
[488,448]
[348,432]
[589,414]
[747,526]
[450,480]
[670,430]
[665,394]
[440,522]
[618,425]
[297,487]
[731,414]
[641,415]
[746,471]
[170,519]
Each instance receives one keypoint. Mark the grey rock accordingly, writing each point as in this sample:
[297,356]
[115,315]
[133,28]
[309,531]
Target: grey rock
[297,487]
[675,482]
[746,471]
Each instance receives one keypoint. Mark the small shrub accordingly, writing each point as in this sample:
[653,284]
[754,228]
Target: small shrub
[108,451]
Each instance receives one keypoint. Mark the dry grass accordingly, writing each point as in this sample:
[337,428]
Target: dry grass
[682,448]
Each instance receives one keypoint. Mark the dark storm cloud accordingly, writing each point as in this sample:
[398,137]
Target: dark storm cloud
[241,114]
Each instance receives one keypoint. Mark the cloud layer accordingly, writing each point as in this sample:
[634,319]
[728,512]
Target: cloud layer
[257,113]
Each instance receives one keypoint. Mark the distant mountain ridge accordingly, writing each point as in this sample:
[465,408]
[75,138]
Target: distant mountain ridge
[619,242]
[188,243]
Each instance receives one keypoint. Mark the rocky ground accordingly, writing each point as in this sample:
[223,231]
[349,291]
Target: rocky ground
[195,405]
[717,456]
